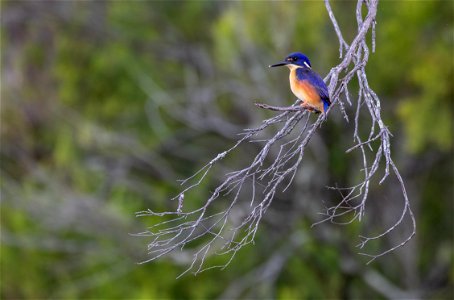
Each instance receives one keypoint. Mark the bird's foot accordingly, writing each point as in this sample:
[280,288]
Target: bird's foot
[310,107]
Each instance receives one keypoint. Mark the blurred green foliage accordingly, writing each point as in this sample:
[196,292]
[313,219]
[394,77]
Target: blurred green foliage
[83,91]
[419,67]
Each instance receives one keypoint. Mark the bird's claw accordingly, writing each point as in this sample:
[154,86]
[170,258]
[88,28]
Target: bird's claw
[309,107]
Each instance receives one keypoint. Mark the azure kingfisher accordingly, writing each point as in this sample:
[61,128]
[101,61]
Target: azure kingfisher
[306,84]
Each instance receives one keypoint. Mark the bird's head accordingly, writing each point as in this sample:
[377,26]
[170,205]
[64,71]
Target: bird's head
[293,60]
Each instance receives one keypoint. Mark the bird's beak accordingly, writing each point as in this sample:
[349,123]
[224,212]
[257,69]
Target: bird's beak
[283,63]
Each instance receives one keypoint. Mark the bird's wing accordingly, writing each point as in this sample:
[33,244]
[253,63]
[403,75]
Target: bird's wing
[316,81]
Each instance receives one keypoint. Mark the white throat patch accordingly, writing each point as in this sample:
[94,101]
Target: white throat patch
[292,66]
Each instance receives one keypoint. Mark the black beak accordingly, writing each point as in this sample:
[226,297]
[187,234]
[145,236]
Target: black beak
[279,64]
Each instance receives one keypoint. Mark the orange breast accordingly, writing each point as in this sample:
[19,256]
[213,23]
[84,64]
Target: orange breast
[305,91]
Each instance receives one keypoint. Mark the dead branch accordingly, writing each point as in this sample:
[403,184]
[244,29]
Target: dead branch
[215,229]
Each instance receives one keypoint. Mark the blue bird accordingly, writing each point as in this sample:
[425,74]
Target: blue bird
[306,84]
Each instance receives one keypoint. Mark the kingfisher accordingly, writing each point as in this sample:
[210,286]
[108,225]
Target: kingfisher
[306,84]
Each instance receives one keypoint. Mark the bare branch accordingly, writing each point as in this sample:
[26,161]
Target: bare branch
[248,193]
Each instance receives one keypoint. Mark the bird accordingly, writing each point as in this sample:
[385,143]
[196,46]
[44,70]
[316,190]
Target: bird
[306,84]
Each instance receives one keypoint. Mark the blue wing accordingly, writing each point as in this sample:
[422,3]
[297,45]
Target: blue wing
[317,82]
